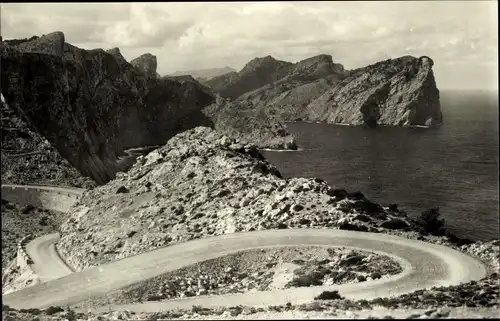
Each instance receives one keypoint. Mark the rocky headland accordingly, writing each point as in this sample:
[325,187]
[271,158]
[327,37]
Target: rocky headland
[394,92]
[91,105]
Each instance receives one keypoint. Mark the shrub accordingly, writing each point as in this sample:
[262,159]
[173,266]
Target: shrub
[304,281]
[395,224]
[430,222]
[329,295]
[30,311]
[43,221]
[338,193]
[52,310]
[458,240]
[357,196]
[366,206]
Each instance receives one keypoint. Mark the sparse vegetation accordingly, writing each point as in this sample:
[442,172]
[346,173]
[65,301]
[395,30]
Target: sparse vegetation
[431,223]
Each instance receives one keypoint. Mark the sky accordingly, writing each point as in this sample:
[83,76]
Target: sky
[460,36]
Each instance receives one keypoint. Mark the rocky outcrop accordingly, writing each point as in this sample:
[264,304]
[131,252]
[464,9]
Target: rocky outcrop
[146,64]
[395,92]
[238,119]
[202,183]
[92,104]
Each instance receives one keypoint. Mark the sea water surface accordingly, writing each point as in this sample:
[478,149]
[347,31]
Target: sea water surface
[453,167]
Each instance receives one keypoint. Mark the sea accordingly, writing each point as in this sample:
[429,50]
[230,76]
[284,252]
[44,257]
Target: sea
[453,166]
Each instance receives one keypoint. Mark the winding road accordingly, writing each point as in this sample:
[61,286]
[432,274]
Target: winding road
[424,265]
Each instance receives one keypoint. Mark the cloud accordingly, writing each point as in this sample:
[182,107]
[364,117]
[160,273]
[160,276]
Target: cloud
[204,35]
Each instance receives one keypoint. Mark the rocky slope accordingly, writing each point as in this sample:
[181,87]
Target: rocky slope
[245,313]
[258,270]
[28,158]
[240,120]
[17,222]
[203,183]
[92,104]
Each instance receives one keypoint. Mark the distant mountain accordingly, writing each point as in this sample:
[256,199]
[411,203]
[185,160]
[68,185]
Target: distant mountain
[204,74]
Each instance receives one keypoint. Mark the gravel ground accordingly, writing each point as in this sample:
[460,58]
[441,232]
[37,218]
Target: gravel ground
[260,270]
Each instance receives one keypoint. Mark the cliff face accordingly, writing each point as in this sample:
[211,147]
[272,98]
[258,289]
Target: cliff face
[92,104]
[29,158]
[395,92]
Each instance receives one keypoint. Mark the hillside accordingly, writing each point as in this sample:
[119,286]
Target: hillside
[204,183]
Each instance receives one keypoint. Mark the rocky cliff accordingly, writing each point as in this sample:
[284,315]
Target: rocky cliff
[395,92]
[92,104]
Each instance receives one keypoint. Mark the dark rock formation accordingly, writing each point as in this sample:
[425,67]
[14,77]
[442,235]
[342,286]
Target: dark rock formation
[146,64]
[92,104]
[28,158]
